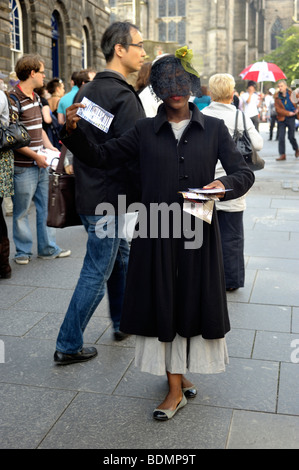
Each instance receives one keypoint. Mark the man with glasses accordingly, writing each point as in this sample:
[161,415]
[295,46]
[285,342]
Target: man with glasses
[106,258]
[31,177]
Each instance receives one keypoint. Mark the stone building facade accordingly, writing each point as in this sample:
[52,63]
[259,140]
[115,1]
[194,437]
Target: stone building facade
[225,35]
[66,33]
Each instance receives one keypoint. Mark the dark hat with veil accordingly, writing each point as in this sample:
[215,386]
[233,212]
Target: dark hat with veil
[173,75]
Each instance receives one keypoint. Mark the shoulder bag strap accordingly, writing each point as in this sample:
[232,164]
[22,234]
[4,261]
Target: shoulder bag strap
[17,102]
[60,166]
[236,124]
[244,122]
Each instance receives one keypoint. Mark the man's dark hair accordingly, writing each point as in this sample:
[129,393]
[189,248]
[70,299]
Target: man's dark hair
[251,83]
[74,77]
[82,77]
[26,64]
[117,33]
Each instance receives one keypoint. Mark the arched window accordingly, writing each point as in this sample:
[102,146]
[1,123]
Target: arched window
[275,31]
[162,32]
[172,21]
[59,59]
[16,31]
[55,44]
[86,48]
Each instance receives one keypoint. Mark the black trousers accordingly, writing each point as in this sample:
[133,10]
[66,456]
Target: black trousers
[273,120]
[255,120]
[3,226]
[288,123]
[232,240]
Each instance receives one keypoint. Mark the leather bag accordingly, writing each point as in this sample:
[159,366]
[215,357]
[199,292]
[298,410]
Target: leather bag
[244,145]
[257,162]
[242,140]
[15,135]
[61,205]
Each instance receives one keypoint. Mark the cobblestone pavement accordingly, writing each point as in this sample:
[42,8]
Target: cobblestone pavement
[107,403]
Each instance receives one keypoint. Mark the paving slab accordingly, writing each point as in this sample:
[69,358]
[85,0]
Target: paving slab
[106,423]
[295,320]
[274,346]
[236,388]
[28,413]
[273,288]
[29,361]
[260,317]
[288,402]
[250,430]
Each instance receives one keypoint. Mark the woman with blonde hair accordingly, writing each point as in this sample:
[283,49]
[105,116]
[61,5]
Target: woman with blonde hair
[230,213]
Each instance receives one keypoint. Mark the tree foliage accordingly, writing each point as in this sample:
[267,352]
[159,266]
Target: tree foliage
[286,55]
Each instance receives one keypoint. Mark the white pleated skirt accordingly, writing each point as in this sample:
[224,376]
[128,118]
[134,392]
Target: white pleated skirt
[182,355]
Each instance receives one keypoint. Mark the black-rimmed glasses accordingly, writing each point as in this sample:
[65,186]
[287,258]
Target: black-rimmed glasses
[140,45]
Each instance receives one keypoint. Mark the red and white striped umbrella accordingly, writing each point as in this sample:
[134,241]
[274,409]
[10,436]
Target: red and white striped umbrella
[262,72]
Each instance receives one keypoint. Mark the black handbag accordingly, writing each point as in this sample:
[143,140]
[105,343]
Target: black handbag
[243,141]
[61,204]
[15,135]
[244,145]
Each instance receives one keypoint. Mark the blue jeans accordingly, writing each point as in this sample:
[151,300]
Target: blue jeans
[106,261]
[289,123]
[32,184]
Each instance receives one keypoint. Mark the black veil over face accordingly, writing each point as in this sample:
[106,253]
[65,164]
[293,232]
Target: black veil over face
[169,78]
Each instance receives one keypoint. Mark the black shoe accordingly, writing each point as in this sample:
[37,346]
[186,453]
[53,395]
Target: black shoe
[120,336]
[190,392]
[84,355]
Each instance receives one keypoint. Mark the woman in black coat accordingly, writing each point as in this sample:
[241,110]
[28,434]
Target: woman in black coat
[175,295]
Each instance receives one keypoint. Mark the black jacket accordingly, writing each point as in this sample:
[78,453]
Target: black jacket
[171,289]
[94,186]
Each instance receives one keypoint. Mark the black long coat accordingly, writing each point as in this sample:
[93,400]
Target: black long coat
[171,289]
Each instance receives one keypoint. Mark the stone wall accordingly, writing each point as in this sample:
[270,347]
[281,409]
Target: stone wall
[225,35]
[37,32]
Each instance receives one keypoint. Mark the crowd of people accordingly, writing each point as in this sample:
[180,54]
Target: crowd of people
[275,107]
[165,137]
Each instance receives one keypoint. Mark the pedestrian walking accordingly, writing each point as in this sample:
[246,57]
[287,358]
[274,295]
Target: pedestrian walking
[230,213]
[106,259]
[286,117]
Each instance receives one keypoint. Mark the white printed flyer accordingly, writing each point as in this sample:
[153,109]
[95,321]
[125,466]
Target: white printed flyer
[95,115]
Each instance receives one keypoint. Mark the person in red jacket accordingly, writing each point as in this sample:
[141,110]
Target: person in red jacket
[286,116]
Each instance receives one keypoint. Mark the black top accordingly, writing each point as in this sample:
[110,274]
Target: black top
[116,96]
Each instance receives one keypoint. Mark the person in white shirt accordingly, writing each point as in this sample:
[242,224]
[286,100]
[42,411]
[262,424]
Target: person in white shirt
[230,213]
[251,102]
